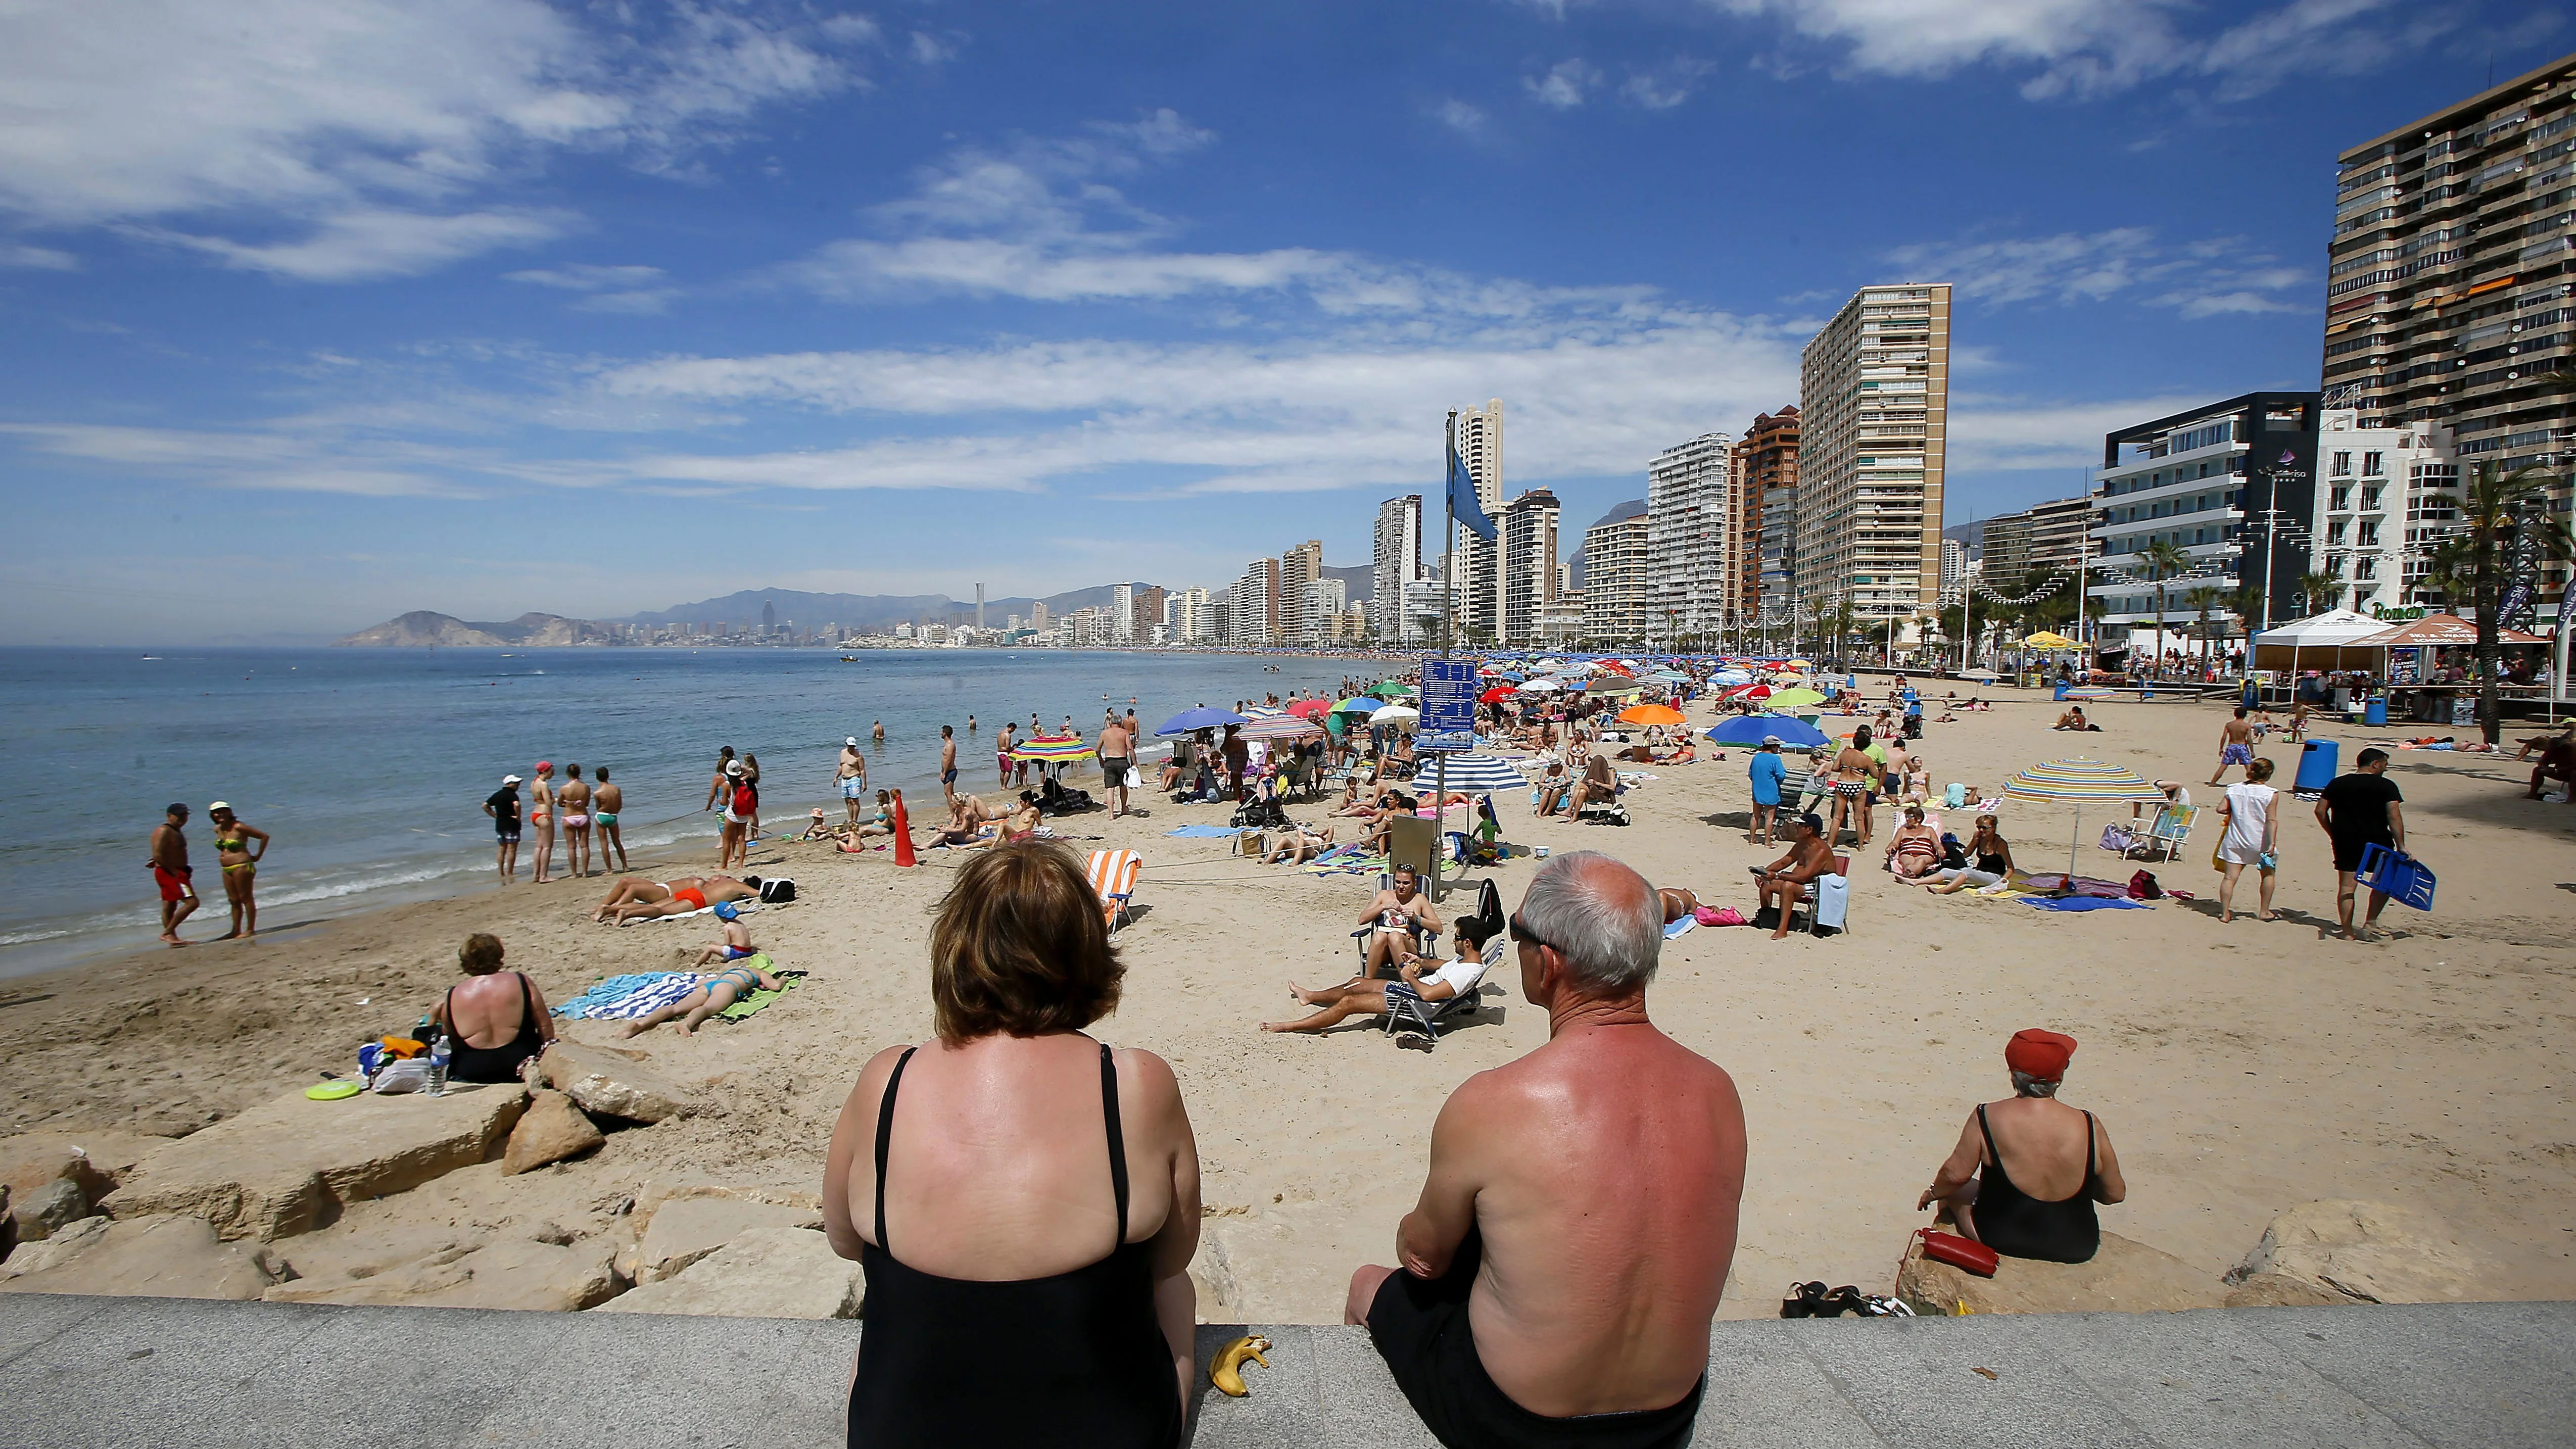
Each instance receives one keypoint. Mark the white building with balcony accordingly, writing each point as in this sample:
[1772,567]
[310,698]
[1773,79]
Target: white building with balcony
[2386,498]
[2231,486]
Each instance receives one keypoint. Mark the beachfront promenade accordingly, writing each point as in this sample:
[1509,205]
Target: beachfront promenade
[185,1372]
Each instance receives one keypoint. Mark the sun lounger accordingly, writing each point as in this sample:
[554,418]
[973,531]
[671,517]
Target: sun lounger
[1112,874]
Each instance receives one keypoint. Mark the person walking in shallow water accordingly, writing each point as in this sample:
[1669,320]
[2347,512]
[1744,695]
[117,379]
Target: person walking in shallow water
[170,871]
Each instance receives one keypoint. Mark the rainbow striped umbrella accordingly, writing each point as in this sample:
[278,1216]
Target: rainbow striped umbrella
[2082,782]
[1049,750]
[1280,727]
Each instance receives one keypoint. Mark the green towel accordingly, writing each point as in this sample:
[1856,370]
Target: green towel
[746,1005]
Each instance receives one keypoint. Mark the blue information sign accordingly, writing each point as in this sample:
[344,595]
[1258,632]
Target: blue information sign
[1448,706]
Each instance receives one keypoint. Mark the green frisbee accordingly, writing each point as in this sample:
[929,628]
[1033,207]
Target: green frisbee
[333,1091]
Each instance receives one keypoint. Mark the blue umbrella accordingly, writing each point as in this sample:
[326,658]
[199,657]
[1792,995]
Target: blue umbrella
[1749,729]
[1190,721]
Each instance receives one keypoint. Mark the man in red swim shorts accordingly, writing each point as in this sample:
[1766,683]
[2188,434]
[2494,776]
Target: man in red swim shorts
[170,872]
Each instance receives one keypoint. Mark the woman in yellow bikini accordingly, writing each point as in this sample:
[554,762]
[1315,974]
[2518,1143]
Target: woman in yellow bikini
[233,851]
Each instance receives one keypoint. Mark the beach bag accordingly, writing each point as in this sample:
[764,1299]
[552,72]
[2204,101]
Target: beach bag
[2143,887]
[411,1074]
[1963,1253]
[1954,856]
[2115,838]
[777,890]
[2402,878]
[1133,780]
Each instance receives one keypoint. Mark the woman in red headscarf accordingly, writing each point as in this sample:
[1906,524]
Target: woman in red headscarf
[2060,1163]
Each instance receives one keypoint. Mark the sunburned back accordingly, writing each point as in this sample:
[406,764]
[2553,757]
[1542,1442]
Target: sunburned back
[1608,1210]
[2042,1143]
[487,1011]
[999,1165]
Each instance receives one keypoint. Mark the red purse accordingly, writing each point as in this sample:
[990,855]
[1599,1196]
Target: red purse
[1958,1252]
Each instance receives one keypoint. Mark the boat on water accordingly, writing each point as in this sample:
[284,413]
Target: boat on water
[849,659]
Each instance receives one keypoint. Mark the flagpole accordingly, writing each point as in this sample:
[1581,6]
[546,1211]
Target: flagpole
[1448,628]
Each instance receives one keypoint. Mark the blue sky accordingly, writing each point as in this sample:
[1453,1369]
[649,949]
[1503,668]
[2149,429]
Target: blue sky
[312,313]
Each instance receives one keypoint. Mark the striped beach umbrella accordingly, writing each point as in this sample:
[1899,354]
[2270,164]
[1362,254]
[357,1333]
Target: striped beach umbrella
[1049,750]
[1280,727]
[2080,782]
[1475,774]
[1360,704]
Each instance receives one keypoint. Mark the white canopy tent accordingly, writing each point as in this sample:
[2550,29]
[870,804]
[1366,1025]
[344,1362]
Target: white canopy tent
[2320,642]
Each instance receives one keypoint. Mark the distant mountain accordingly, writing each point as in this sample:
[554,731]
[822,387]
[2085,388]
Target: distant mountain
[424,629]
[1620,512]
[864,613]
[1972,535]
[1359,581]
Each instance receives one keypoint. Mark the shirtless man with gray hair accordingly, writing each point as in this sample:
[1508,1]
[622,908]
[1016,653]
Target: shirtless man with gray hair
[1576,1227]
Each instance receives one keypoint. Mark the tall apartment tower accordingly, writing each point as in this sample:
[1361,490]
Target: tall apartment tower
[1874,403]
[1298,567]
[1690,496]
[2451,278]
[1252,613]
[1146,611]
[1618,574]
[1395,559]
[1122,613]
[1474,583]
[1766,462]
[1525,531]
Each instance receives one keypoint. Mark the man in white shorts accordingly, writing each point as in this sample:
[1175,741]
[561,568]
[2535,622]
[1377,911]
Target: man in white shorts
[1423,980]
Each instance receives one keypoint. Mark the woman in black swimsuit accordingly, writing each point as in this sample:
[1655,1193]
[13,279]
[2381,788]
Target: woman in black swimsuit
[1044,1189]
[2042,1208]
[504,1021]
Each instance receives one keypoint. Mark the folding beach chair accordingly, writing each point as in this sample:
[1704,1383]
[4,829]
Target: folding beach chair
[1826,901]
[1112,874]
[1425,1016]
[2171,827]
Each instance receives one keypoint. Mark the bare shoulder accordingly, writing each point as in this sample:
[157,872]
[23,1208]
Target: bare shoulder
[1146,1073]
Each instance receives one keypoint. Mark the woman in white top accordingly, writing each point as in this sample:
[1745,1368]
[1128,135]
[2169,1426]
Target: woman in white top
[1423,980]
[2252,810]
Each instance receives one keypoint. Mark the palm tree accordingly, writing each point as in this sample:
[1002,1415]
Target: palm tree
[1845,616]
[2163,559]
[2205,601]
[2321,585]
[2247,604]
[2492,514]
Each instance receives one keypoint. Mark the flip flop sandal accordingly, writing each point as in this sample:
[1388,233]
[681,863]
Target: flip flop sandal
[1846,1299]
[1804,1300]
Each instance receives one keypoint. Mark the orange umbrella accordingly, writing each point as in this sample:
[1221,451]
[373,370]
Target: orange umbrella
[1650,714]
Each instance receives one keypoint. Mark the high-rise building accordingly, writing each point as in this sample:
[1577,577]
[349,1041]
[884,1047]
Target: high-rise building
[1190,614]
[768,618]
[1122,614]
[1617,579]
[1253,612]
[1778,568]
[2451,279]
[1298,567]
[2386,498]
[1395,560]
[1146,611]
[2005,549]
[1525,529]
[1690,495]
[1038,616]
[1766,461]
[1320,608]
[979,608]
[1474,584]
[1954,565]
[2225,484]
[1874,404]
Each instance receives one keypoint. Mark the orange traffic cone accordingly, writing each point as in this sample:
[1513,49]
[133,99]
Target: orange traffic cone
[902,834]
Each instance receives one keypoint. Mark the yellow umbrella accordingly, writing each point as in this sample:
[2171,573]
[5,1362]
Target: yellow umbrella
[2046,640]
[1651,714]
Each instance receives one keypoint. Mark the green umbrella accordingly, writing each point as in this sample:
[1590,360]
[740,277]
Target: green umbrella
[1392,689]
[1788,700]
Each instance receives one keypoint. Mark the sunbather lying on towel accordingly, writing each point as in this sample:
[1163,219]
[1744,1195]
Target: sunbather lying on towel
[1678,902]
[1422,979]
[1299,845]
[684,896]
[714,994]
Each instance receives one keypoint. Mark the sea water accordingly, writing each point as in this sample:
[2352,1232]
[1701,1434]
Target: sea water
[369,767]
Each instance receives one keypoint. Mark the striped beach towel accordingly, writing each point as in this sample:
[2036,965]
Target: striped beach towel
[624,998]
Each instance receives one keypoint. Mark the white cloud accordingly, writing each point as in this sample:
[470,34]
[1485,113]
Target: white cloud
[359,244]
[1564,85]
[338,115]
[13,254]
[1667,85]
[1994,432]
[2199,279]
[588,277]
[1459,116]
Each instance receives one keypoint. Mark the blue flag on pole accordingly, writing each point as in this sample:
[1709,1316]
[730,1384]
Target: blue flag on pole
[1462,500]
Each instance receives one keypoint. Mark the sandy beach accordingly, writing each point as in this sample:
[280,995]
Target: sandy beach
[2240,1069]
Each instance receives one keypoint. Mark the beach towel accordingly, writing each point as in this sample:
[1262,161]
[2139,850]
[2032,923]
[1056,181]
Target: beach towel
[628,997]
[1674,930]
[760,996]
[1204,832]
[2085,903]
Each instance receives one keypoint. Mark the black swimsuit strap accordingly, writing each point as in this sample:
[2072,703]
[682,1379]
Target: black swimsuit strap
[885,1136]
[2088,1150]
[1117,1141]
[1992,1155]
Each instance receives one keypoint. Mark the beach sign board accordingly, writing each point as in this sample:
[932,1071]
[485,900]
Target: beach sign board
[1448,706]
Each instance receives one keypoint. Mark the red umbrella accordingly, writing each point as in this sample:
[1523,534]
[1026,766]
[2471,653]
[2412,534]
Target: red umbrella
[1311,708]
[1750,691]
[1502,691]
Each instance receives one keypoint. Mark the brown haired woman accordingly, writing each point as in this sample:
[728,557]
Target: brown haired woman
[1044,1188]
[498,1017]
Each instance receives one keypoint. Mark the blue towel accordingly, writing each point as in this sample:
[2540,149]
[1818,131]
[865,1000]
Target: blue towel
[1680,927]
[629,997]
[2083,903]
[1206,832]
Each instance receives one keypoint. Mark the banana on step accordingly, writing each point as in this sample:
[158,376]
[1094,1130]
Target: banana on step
[1226,1369]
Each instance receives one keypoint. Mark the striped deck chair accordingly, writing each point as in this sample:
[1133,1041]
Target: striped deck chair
[1112,874]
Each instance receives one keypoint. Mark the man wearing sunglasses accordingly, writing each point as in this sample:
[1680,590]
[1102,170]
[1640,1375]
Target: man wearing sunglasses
[1579,1217]
[1784,882]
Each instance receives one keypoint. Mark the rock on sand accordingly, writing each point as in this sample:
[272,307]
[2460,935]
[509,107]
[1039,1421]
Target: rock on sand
[766,1273]
[608,1082]
[687,1229]
[2353,1251]
[2124,1277]
[516,1273]
[551,1130]
[166,1256]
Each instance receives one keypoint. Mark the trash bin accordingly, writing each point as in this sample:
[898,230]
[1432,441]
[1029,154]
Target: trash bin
[2376,713]
[2318,760]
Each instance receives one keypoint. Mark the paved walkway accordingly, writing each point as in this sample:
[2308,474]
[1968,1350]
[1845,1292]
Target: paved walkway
[183,1373]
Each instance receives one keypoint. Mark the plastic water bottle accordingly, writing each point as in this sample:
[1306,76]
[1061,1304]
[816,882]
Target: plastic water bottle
[439,1053]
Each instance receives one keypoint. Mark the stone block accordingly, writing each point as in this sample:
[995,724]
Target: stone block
[286,1166]
[2124,1277]
[40,1212]
[765,1273]
[656,1191]
[156,1257]
[513,1273]
[2353,1251]
[682,1231]
[551,1130]
[611,1083]
[31,1161]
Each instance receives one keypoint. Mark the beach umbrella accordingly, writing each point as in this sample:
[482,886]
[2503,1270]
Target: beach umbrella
[1726,677]
[1475,773]
[1982,676]
[1190,721]
[1499,691]
[1540,686]
[1748,729]
[1311,708]
[1800,665]
[1794,698]
[1048,750]
[1650,714]
[1280,727]
[2046,640]
[1395,714]
[1263,711]
[1390,688]
[1750,691]
[1358,704]
[2080,782]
